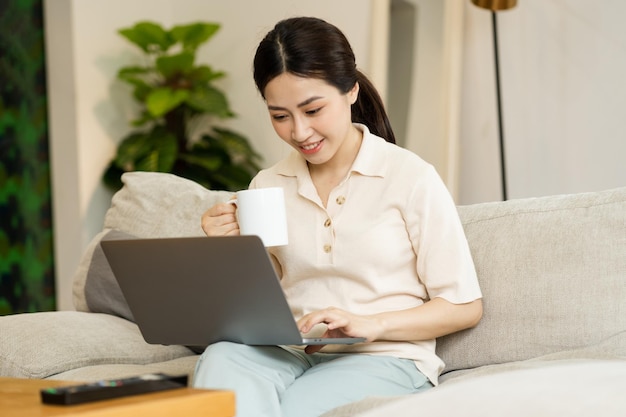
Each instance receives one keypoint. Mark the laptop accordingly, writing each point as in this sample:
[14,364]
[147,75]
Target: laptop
[195,291]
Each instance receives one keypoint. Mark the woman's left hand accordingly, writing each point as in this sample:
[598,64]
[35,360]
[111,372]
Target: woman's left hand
[340,323]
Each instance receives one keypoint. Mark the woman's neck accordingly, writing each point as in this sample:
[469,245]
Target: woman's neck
[327,176]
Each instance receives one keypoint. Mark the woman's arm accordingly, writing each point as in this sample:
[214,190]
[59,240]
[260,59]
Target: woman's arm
[433,319]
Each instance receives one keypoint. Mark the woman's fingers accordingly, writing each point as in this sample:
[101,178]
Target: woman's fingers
[220,220]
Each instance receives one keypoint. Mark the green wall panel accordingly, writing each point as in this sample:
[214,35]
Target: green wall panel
[26,245]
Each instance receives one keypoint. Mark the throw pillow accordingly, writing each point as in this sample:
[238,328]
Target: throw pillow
[102,292]
[149,205]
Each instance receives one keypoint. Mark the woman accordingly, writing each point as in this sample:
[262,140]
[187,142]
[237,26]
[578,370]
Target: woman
[376,246]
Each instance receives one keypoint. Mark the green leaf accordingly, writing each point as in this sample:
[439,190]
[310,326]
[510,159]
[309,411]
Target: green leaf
[156,150]
[164,152]
[149,36]
[130,149]
[136,76]
[131,72]
[210,100]
[194,34]
[205,74]
[141,91]
[162,100]
[234,177]
[172,65]
[236,144]
[208,162]
[145,117]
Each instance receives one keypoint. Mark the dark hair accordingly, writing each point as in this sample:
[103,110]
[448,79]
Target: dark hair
[312,48]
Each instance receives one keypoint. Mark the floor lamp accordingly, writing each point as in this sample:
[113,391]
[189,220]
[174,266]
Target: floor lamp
[495,6]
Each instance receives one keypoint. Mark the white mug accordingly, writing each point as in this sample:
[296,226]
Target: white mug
[261,212]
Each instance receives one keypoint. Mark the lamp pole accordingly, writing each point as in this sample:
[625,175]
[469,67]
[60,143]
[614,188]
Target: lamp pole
[495,6]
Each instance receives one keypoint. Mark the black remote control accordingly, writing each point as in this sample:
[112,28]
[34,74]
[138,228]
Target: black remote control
[114,388]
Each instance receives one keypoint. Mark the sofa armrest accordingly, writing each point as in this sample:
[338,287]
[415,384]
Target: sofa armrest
[39,345]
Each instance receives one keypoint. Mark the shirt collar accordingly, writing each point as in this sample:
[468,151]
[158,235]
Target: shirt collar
[370,161]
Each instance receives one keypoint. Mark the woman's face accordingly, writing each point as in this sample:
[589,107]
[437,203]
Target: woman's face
[312,116]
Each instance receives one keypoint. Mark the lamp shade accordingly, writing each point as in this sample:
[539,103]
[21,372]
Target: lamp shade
[495,5]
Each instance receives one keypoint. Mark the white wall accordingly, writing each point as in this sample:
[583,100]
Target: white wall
[90,110]
[564,99]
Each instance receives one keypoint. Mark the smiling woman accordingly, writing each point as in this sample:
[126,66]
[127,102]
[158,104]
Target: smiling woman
[378,250]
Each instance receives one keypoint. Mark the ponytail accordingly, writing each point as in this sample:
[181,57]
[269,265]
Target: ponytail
[370,110]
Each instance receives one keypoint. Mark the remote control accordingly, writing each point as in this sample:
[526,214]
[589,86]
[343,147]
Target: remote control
[114,388]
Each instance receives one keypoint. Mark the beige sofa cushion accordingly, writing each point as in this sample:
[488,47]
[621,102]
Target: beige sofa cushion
[543,389]
[553,275]
[180,366]
[38,345]
[149,205]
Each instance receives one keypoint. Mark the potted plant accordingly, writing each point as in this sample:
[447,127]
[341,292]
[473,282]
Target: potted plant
[179,101]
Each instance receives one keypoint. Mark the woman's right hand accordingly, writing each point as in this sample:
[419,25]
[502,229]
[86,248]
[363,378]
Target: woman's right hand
[220,220]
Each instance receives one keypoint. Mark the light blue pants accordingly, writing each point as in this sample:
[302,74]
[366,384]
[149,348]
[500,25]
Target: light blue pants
[277,381]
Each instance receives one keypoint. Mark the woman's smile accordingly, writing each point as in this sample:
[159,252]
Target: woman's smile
[311,148]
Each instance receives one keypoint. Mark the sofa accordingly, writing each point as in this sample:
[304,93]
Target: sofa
[552,341]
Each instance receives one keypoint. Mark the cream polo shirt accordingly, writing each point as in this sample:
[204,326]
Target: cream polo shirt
[389,239]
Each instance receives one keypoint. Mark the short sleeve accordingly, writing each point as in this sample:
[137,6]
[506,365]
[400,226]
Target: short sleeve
[444,261]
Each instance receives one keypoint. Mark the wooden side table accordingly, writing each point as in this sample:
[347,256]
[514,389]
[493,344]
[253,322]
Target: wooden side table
[21,398]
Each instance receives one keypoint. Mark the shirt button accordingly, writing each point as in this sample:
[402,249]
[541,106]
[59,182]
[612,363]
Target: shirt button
[327,223]
[340,200]
[327,248]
